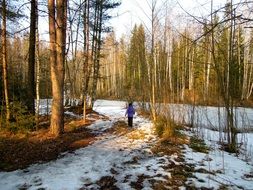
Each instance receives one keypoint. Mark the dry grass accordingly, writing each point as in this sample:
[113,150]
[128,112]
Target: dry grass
[171,143]
[119,128]
[136,134]
[144,113]
[22,149]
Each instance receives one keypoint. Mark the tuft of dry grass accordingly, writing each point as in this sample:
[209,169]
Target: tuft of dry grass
[121,128]
[136,134]
[169,131]
[164,127]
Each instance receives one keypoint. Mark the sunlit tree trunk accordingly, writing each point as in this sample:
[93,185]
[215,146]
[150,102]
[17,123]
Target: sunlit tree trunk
[191,69]
[245,73]
[37,72]
[86,32]
[152,63]
[247,85]
[208,73]
[4,60]
[57,34]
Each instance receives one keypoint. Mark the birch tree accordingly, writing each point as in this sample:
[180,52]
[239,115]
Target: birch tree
[38,71]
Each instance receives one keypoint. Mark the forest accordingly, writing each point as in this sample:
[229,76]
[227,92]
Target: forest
[59,59]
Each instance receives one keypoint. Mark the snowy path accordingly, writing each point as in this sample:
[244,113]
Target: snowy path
[117,160]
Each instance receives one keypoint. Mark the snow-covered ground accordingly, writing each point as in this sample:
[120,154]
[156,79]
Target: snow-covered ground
[120,156]
[219,167]
[126,158]
[211,117]
[202,116]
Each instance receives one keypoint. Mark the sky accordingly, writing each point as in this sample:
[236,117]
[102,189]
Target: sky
[133,12]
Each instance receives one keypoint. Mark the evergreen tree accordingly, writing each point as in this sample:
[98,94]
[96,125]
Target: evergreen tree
[100,15]
[31,59]
[136,69]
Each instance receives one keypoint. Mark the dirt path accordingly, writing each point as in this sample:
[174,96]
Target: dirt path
[119,158]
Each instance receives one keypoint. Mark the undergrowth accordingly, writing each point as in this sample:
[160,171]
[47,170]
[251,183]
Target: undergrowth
[169,131]
[198,145]
[21,120]
[165,128]
[171,141]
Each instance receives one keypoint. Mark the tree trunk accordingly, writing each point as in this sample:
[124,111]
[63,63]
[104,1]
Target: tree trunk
[86,55]
[152,65]
[31,59]
[37,74]
[57,33]
[97,47]
[4,59]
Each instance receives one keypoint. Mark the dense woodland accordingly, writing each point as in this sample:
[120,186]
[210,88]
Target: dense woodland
[207,62]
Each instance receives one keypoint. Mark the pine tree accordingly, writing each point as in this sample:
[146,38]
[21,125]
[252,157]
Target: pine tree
[57,34]
[100,16]
[31,59]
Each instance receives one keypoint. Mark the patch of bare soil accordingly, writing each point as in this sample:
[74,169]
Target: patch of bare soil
[120,128]
[107,183]
[179,171]
[18,151]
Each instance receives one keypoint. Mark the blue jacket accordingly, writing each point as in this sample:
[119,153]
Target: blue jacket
[130,111]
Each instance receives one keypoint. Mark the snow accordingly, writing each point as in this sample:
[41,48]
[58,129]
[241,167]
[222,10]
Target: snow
[222,167]
[207,116]
[126,158]
[44,106]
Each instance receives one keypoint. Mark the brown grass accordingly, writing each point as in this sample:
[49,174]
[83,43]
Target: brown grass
[136,134]
[119,128]
[18,151]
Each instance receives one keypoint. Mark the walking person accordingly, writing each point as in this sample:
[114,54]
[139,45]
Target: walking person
[130,114]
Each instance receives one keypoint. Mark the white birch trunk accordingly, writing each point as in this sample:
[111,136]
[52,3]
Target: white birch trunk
[208,74]
[37,79]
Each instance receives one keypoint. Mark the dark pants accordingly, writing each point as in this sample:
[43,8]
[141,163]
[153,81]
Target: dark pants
[130,121]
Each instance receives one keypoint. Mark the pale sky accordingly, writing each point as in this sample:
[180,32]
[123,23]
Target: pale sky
[133,12]
[137,11]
